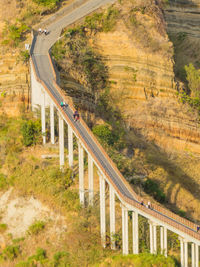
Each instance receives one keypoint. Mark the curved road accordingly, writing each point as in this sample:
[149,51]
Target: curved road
[43,69]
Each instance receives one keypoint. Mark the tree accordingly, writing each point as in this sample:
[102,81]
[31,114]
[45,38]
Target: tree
[31,131]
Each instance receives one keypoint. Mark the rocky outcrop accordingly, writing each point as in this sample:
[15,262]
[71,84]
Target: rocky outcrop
[139,57]
[183,16]
[14,77]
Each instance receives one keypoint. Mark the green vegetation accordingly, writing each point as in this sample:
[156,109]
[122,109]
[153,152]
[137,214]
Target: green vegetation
[105,134]
[38,258]
[24,56]
[152,188]
[10,252]
[48,3]
[14,33]
[75,46]
[31,132]
[3,227]
[36,228]
[191,95]
[3,181]
[182,213]
[102,22]
[193,78]
[141,260]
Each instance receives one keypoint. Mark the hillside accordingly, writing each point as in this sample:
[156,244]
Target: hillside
[120,80]
[124,68]
[42,222]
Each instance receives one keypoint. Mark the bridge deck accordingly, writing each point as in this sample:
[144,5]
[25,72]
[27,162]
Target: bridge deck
[44,72]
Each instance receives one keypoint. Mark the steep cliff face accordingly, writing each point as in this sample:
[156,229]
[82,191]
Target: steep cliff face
[183,16]
[139,57]
[148,102]
[13,73]
[183,26]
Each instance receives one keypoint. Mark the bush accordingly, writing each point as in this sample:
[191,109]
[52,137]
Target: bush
[48,3]
[61,258]
[39,256]
[11,252]
[3,181]
[105,134]
[152,188]
[103,22]
[143,259]
[31,131]
[193,78]
[24,56]
[3,227]
[35,228]
[14,33]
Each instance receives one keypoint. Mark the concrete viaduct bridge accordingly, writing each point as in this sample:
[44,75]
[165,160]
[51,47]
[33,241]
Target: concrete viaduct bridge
[46,92]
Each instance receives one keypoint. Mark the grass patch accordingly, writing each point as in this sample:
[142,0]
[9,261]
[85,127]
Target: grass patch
[13,34]
[36,228]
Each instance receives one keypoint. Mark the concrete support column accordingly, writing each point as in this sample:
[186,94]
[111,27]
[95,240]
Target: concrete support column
[163,240]
[196,255]
[185,243]
[91,180]
[81,173]
[102,210]
[52,126]
[154,238]
[151,237]
[61,141]
[43,118]
[112,217]
[135,232]
[182,252]
[193,254]
[124,230]
[70,146]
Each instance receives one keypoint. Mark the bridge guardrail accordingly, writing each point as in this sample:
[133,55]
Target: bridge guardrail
[162,214]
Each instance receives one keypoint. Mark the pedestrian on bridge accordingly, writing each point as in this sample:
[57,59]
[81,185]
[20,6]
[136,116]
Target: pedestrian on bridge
[40,31]
[76,115]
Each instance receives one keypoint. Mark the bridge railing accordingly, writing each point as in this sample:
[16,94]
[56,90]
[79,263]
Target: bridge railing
[158,212]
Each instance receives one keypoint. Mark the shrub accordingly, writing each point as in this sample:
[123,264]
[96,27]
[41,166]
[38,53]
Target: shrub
[105,134]
[36,227]
[3,227]
[103,22]
[39,256]
[48,3]
[14,33]
[61,258]
[3,181]
[24,56]
[193,78]
[11,252]
[152,188]
[31,131]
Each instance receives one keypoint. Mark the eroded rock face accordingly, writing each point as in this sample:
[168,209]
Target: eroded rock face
[148,100]
[183,16]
